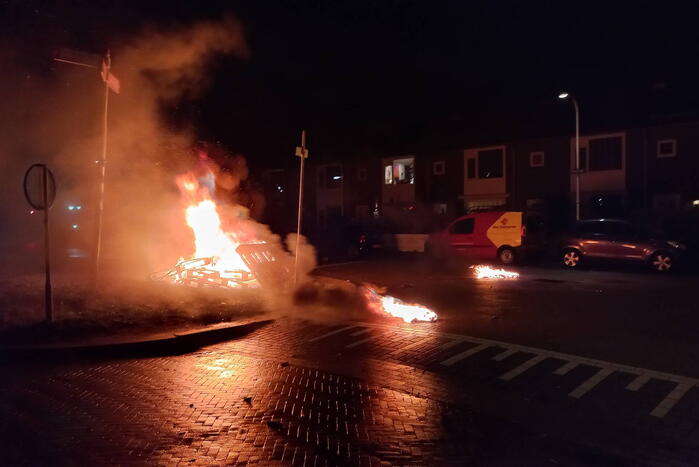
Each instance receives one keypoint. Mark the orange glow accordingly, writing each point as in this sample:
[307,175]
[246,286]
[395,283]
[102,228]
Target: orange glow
[483,271]
[215,261]
[409,313]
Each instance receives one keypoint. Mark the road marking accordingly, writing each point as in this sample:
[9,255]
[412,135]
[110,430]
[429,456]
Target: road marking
[412,345]
[669,402]
[523,367]
[565,368]
[360,332]
[456,341]
[332,333]
[638,382]
[503,355]
[465,354]
[591,382]
[684,383]
[359,342]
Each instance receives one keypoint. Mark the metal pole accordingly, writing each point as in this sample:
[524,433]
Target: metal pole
[298,224]
[577,160]
[48,294]
[103,168]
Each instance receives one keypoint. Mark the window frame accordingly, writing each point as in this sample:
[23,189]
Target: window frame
[442,170]
[533,154]
[660,142]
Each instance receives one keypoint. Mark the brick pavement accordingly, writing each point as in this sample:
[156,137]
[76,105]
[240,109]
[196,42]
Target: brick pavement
[267,399]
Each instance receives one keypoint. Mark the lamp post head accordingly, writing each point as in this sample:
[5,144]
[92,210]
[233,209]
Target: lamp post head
[563,95]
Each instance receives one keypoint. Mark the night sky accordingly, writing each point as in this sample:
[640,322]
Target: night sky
[392,76]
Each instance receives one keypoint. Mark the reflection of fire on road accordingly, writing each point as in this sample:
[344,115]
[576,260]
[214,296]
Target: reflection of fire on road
[397,308]
[486,272]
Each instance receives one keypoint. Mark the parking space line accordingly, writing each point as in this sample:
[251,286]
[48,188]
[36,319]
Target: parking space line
[359,342]
[412,345]
[591,382]
[360,332]
[638,382]
[504,355]
[465,354]
[522,368]
[456,341]
[669,402]
[643,375]
[565,368]
[331,333]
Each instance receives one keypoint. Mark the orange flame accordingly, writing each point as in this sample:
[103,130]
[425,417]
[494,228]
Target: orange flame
[211,239]
[486,272]
[409,313]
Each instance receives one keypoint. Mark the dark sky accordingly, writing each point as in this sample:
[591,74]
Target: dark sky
[397,76]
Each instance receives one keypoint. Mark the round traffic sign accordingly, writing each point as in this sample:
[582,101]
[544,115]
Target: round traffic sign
[39,186]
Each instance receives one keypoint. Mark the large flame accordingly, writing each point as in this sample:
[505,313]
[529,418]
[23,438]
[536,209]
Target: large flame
[398,308]
[215,261]
[486,272]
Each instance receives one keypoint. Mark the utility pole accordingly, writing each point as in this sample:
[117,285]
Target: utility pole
[106,67]
[89,60]
[301,152]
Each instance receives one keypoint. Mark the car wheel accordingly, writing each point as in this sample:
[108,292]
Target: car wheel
[507,256]
[571,258]
[661,261]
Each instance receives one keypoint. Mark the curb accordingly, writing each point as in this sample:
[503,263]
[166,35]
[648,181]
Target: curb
[173,344]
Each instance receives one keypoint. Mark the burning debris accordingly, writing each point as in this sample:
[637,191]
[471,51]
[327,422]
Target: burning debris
[228,252]
[409,313]
[486,272]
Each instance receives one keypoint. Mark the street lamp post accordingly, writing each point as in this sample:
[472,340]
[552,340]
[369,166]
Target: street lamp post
[564,96]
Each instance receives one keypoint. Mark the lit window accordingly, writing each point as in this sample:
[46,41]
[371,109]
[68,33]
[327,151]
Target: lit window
[401,171]
[667,148]
[438,168]
[536,159]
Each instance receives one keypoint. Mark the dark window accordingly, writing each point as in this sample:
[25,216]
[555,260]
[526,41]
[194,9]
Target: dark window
[667,148]
[333,176]
[605,153]
[463,227]
[361,174]
[438,168]
[490,163]
[471,166]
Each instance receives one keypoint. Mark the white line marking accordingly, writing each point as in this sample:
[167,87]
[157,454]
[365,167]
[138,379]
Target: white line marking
[591,382]
[360,332]
[565,368]
[522,368]
[684,383]
[356,343]
[412,345]
[465,354]
[669,402]
[332,333]
[638,382]
[456,341]
[504,355]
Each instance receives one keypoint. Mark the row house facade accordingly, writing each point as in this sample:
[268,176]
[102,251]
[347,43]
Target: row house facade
[637,173]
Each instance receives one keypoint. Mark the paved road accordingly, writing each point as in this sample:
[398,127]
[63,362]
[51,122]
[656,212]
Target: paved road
[639,319]
[282,395]
[509,375]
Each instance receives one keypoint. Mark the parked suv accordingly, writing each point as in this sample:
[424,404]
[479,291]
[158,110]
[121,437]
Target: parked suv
[616,240]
